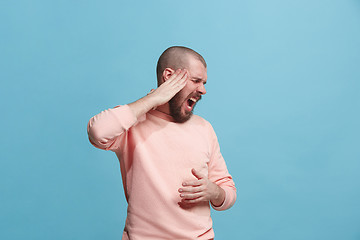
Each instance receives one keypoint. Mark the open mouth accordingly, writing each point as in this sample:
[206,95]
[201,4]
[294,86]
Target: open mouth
[190,103]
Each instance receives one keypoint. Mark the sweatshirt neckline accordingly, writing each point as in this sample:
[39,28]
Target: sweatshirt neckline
[162,115]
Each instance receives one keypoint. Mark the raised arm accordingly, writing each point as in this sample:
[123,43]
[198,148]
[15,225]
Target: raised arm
[105,127]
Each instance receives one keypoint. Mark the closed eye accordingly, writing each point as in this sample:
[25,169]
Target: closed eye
[198,80]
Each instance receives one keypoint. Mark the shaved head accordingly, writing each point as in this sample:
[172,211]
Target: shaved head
[176,57]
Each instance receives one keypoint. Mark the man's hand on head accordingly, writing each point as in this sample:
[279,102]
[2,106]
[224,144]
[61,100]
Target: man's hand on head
[162,94]
[200,190]
[170,87]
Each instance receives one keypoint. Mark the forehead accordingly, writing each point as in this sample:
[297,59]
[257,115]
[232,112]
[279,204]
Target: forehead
[197,68]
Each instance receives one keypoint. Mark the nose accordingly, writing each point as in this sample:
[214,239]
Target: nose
[201,89]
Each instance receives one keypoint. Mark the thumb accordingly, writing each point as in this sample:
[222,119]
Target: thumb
[197,174]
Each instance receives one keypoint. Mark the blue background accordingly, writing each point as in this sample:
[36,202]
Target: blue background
[283,96]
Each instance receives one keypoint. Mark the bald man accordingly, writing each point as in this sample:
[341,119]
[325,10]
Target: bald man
[170,160]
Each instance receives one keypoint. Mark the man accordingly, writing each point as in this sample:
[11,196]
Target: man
[170,160]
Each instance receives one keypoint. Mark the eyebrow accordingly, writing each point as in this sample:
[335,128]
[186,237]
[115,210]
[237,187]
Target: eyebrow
[197,78]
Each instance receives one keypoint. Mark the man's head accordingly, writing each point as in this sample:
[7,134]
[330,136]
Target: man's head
[176,57]
[181,106]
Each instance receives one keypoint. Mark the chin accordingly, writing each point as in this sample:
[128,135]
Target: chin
[177,111]
[181,118]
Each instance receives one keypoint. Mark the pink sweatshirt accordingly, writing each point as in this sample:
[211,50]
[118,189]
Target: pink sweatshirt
[156,156]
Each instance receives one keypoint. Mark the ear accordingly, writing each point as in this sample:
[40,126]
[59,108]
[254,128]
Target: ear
[167,74]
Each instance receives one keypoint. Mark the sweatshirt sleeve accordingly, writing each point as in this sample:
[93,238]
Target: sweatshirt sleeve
[105,128]
[218,173]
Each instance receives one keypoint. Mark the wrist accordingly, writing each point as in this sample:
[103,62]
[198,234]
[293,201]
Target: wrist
[150,101]
[218,197]
[142,105]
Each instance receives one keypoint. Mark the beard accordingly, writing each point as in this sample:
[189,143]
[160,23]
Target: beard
[175,105]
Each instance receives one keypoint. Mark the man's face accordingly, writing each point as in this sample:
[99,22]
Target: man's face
[183,103]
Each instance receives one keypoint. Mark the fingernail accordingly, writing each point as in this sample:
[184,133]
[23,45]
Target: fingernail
[180,190]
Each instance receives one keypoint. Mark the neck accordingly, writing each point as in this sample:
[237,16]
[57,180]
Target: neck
[164,108]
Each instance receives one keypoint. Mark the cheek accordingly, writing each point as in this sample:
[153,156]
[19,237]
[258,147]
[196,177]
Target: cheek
[180,96]
[185,91]
[190,87]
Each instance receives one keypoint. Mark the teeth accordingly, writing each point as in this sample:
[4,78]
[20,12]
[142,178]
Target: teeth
[193,99]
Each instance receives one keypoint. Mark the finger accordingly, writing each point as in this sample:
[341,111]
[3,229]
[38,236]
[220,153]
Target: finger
[180,79]
[180,85]
[191,189]
[173,76]
[197,200]
[191,196]
[193,183]
[177,75]
[184,78]
[197,174]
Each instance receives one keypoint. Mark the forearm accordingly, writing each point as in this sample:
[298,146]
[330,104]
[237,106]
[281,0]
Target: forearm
[229,198]
[143,105]
[219,175]
[109,124]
